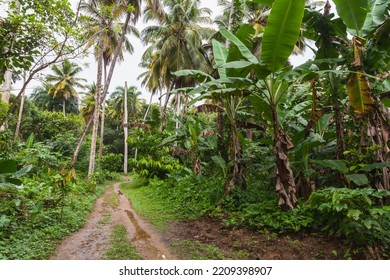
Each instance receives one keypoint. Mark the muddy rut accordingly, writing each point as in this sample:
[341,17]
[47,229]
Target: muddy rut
[90,242]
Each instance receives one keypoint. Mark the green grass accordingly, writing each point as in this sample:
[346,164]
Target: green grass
[106,218]
[120,247]
[38,237]
[196,250]
[146,204]
[112,200]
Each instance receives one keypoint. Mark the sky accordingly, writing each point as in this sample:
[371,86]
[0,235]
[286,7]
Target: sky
[128,70]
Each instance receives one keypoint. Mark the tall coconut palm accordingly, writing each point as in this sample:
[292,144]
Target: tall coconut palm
[116,102]
[45,101]
[176,43]
[65,81]
[88,102]
[103,23]
[110,10]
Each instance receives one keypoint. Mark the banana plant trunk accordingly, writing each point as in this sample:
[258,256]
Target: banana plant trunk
[285,184]
[238,166]
[379,131]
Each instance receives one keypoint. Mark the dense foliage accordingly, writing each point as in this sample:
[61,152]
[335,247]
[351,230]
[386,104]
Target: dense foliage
[240,134]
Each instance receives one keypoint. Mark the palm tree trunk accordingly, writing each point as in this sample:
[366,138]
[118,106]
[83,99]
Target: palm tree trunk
[106,85]
[91,167]
[81,140]
[63,106]
[164,109]
[103,116]
[125,130]
[177,111]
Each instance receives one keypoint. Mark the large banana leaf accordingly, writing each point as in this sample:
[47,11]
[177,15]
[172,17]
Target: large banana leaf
[199,76]
[376,16]
[220,55]
[281,33]
[247,54]
[352,12]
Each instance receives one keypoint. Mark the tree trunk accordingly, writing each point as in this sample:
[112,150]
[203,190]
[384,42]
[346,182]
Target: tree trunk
[238,167]
[106,85]
[164,110]
[17,131]
[125,130]
[63,106]
[285,184]
[379,132]
[177,111]
[6,91]
[103,116]
[91,167]
[81,140]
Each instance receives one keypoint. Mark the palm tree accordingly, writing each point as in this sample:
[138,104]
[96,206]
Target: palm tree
[65,82]
[108,47]
[45,101]
[176,43]
[88,102]
[103,24]
[116,102]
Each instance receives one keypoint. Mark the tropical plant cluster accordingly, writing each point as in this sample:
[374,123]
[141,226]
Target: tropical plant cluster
[239,132]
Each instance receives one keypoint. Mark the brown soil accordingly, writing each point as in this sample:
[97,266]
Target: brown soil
[90,242]
[254,245]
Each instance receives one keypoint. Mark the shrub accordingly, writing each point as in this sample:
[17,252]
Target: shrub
[355,214]
[112,162]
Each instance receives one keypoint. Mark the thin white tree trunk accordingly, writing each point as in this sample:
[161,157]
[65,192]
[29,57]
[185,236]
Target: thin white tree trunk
[91,168]
[178,111]
[6,90]
[17,130]
[125,129]
[103,115]
[143,121]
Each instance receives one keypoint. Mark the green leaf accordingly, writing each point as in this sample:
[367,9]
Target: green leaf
[22,172]
[241,46]
[219,161]
[236,64]
[358,179]
[200,76]
[377,165]
[220,55]
[352,12]
[376,16]
[281,33]
[264,2]
[354,214]
[7,166]
[337,165]
[386,102]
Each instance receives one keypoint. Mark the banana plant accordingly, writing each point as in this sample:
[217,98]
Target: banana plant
[369,23]
[264,80]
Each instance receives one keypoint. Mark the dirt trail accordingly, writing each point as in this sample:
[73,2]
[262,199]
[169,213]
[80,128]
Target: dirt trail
[90,242]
